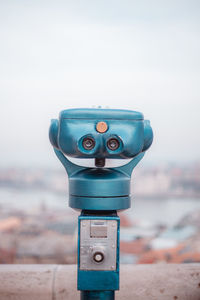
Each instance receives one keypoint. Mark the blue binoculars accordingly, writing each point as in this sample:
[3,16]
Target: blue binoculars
[99,134]
[99,192]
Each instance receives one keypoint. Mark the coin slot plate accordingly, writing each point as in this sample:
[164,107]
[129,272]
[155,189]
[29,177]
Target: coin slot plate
[98,236]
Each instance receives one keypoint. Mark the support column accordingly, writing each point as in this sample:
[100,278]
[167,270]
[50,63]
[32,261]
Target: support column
[97,295]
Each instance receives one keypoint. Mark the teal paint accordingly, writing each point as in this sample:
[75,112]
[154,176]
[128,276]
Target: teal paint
[99,203]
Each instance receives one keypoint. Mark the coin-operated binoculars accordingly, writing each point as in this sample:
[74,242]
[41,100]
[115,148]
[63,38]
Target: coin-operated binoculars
[99,192]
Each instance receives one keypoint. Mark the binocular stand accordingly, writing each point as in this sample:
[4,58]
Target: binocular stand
[93,190]
[99,192]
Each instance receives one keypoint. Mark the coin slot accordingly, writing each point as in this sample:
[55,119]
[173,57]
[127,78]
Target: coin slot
[98,229]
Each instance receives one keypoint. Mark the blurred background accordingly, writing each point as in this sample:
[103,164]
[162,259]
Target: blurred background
[139,55]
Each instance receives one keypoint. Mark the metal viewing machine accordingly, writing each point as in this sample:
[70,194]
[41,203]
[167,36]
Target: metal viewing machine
[99,192]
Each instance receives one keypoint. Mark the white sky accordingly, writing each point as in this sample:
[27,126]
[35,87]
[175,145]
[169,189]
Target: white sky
[142,55]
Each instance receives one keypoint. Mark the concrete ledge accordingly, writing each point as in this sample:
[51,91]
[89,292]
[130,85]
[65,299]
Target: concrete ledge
[141,282]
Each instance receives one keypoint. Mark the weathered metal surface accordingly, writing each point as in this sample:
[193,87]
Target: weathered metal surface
[98,238]
[141,282]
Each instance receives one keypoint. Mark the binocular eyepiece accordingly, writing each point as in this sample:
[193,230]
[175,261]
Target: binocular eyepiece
[89,143]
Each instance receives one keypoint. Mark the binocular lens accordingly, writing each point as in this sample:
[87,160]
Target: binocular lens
[88,143]
[113,144]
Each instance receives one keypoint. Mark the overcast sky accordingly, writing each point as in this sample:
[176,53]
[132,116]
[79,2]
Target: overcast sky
[141,55]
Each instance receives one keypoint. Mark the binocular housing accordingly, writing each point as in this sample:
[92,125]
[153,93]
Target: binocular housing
[100,134]
[125,133]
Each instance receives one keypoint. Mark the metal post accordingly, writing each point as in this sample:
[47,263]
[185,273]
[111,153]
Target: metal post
[97,295]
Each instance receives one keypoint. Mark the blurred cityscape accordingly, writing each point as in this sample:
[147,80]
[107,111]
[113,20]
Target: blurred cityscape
[163,225]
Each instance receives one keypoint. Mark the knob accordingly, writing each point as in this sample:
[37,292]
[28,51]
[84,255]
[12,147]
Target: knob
[98,257]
